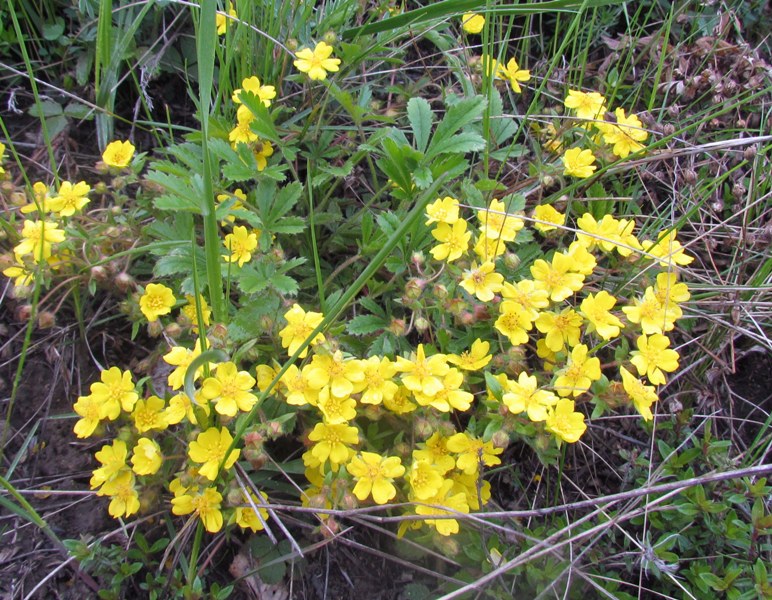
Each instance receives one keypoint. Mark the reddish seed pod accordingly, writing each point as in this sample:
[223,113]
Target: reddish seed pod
[23,313]
[46,319]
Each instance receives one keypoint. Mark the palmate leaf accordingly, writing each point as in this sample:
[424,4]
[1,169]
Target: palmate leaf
[458,115]
[245,324]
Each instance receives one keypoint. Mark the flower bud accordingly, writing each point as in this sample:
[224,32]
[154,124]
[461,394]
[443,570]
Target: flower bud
[690,176]
[447,545]
[750,152]
[439,291]
[173,330]
[155,328]
[23,312]
[124,282]
[422,324]
[668,129]
[417,259]
[18,198]
[548,181]
[46,319]
[423,428]
[500,439]
[98,273]
[292,44]
[511,260]
[330,37]
[414,288]
[398,327]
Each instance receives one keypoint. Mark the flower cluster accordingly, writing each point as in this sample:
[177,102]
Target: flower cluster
[623,134]
[561,305]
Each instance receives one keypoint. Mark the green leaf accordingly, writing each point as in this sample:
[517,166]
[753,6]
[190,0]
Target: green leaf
[461,143]
[457,116]
[46,108]
[494,385]
[245,324]
[421,117]
[53,31]
[423,177]
[366,325]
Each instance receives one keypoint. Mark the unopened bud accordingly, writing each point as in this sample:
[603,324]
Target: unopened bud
[414,288]
[398,327]
[124,282]
[98,273]
[423,428]
[500,439]
[548,181]
[23,313]
[749,152]
[100,188]
[690,176]
[418,259]
[18,198]
[511,260]
[155,328]
[330,37]
[173,330]
[668,129]
[439,291]
[422,324]
[46,319]
[266,322]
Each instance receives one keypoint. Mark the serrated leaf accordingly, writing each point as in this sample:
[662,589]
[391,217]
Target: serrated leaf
[284,284]
[245,324]
[423,177]
[388,222]
[366,325]
[421,117]
[457,116]
[372,306]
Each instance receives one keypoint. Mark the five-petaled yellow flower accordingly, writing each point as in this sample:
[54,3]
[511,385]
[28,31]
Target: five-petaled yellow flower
[472,22]
[241,244]
[578,162]
[317,63]
[300,324]
[210,448]
[118,154]
[374,475]
[156,301]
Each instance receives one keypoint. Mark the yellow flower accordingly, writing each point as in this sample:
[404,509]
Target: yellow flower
[593,233]
[667,249]
[238,197]
[240,244]
[230,388]
[551,217]
[454,240]
[37,237]
[472,452]
[374,475]
[578,162]
[586,105]
[156,301]
[205,504]
[147,457]
[264,93]
[474,359]
[653,356]
[523,395]
[643,396]
[514,74]
[2,157]
[596,309]
[450,397]
[317,62]
[626,135]
[425,479]
[124,498]
[578,375]
[332,442]
[149,414]
[557,277]
[475,490]
[336,409]
[583,261]
[488,249]
[445,498]
[650,314]
[115,391]
[70,198]
[442,210]
[180,407]
[378,383]
[221,21]
[299,390]
[118,154]
[435,451]
[482,281]
[472,22]
[344,376]
[262,150]
[242,133]
[210,448]
[181,357]
[514,322]
[497,224]
[91,412]
[527,294]
[668,291]
[245,515]
[489,65]
[113,460]
[40,200]
[422,374]
[300,324]
[189,310]
[400,403]
[562,329]
[564,423]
